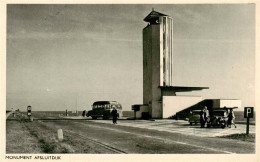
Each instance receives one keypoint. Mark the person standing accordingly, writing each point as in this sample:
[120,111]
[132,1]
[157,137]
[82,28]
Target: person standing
[231,119]
[114,115]
[84,113]
[206,116]
[202,118]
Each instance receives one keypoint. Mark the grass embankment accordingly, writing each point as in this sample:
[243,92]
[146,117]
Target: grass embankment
[41,137]
[242,137]
[47,138]
[19,139]
[24,136]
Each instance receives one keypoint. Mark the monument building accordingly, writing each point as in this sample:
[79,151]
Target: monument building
[159,92]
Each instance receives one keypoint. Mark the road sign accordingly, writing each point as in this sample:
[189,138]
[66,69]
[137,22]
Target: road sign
[29,111]
[248,112]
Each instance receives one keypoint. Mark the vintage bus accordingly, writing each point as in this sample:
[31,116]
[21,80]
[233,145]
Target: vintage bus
[103,109]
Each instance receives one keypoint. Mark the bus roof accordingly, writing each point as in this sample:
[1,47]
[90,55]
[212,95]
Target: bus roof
[104,102]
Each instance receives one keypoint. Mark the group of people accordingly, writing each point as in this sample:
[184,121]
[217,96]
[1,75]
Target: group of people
[205,117]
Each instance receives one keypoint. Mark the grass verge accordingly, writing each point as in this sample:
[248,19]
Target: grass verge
[47,138]
[242,137]
[19,139]
[24,136]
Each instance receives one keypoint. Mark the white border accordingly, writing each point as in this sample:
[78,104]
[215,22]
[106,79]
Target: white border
[131,157]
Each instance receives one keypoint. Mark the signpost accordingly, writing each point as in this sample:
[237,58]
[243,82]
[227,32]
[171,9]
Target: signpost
[29,111]
[248,113]
[66,113]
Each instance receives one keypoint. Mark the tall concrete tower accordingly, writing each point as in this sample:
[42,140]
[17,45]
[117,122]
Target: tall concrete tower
[158,42]
[157,59]
[158,63]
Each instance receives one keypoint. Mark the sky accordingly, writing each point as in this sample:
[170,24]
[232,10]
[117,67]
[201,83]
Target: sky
[68,56]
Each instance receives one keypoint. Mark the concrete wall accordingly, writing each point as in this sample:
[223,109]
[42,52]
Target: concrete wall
[157,63]
[220,103]
[156,91]
[147,70]
[173,104]
[142,109]
[128,114]
[166,50]
[151,70]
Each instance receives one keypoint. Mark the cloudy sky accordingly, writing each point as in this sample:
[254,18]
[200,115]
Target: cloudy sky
[68,56]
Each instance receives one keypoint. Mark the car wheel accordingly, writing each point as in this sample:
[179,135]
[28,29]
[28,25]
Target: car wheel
[224,124]
[105,117]
[94,118]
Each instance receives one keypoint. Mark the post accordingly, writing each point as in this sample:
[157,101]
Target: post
[29,112]
[60,135]
[247,126]
[248,113]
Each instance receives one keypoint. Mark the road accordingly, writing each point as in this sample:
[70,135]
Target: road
[181,126]
[134,140]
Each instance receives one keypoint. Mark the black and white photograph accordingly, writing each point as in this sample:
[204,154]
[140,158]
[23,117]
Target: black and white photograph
[95,79]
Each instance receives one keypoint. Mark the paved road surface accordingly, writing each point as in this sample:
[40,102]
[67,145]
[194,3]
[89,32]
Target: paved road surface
[152,137]
[179,126]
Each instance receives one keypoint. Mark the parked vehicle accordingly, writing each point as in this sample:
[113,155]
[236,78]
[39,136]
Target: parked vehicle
[219,118]
[103,109]
[194,117]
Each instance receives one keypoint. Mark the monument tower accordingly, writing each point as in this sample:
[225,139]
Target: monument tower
[158,63]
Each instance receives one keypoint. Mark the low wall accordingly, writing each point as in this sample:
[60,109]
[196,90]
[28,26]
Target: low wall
[128,114]
[173,104]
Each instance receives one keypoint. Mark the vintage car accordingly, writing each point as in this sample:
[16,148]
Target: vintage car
[194,117]
[219,118]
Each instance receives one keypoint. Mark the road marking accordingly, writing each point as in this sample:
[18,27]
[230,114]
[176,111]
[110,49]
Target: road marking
[158,138]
